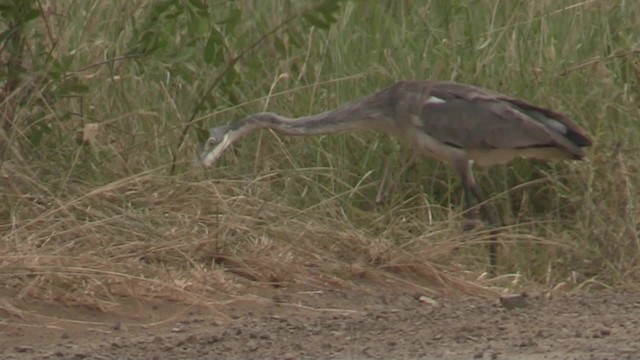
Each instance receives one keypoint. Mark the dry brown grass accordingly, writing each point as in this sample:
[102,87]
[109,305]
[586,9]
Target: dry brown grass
[199,242]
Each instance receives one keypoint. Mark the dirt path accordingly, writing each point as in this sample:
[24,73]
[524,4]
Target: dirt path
[347,324]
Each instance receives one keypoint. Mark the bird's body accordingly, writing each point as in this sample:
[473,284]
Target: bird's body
[455,123]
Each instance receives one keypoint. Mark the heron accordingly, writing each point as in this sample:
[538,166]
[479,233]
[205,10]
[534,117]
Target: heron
[459,124]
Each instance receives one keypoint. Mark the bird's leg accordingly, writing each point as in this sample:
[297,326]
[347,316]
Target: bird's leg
[471,191]
[494,223]
[470,214]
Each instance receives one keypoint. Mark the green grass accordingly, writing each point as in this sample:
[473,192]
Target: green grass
[88,223]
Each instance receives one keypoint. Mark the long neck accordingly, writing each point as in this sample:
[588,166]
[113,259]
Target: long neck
[368,113]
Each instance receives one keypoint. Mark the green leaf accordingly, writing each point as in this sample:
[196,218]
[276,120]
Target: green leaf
[201,135]
[149,42]
[231,20]
[185,55]
[311,19]
[198,25]
[31,14]
[294,38]
[161,7]
[329,6]
[229,78]
[279,45]
[328,9]
[183,72]
[210,49]
[213,49]
[66,62]
[200,7]
[73,86]
[55,71]
[37,132]
[5,35]
[5,8]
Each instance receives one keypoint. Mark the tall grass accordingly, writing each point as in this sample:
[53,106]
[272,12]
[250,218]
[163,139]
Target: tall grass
[90,223]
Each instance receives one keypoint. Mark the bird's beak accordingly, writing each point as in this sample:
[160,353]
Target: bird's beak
[207,156]
[211,153]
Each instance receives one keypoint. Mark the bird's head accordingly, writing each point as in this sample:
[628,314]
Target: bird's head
[220,138]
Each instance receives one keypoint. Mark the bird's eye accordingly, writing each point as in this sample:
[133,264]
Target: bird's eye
[211,142]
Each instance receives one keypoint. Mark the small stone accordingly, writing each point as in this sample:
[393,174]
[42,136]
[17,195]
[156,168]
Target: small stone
[216,322]
[514,301]
[191,339]
[24,349]
[251,345]
[212,339]
[427,300]
[526,343]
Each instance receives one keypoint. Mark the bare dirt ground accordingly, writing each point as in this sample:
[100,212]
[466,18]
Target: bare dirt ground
[365,323]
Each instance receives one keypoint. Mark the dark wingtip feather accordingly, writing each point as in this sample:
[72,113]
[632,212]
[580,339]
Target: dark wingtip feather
[579,139]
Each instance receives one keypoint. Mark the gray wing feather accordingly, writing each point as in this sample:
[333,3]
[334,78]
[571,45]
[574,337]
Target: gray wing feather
[475,118]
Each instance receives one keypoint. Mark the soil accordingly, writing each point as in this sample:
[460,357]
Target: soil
[337,323]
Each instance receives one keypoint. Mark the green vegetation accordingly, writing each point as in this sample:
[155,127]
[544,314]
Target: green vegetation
[104,104]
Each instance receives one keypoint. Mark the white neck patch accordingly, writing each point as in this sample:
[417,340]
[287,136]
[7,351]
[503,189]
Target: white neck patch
[435,100]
